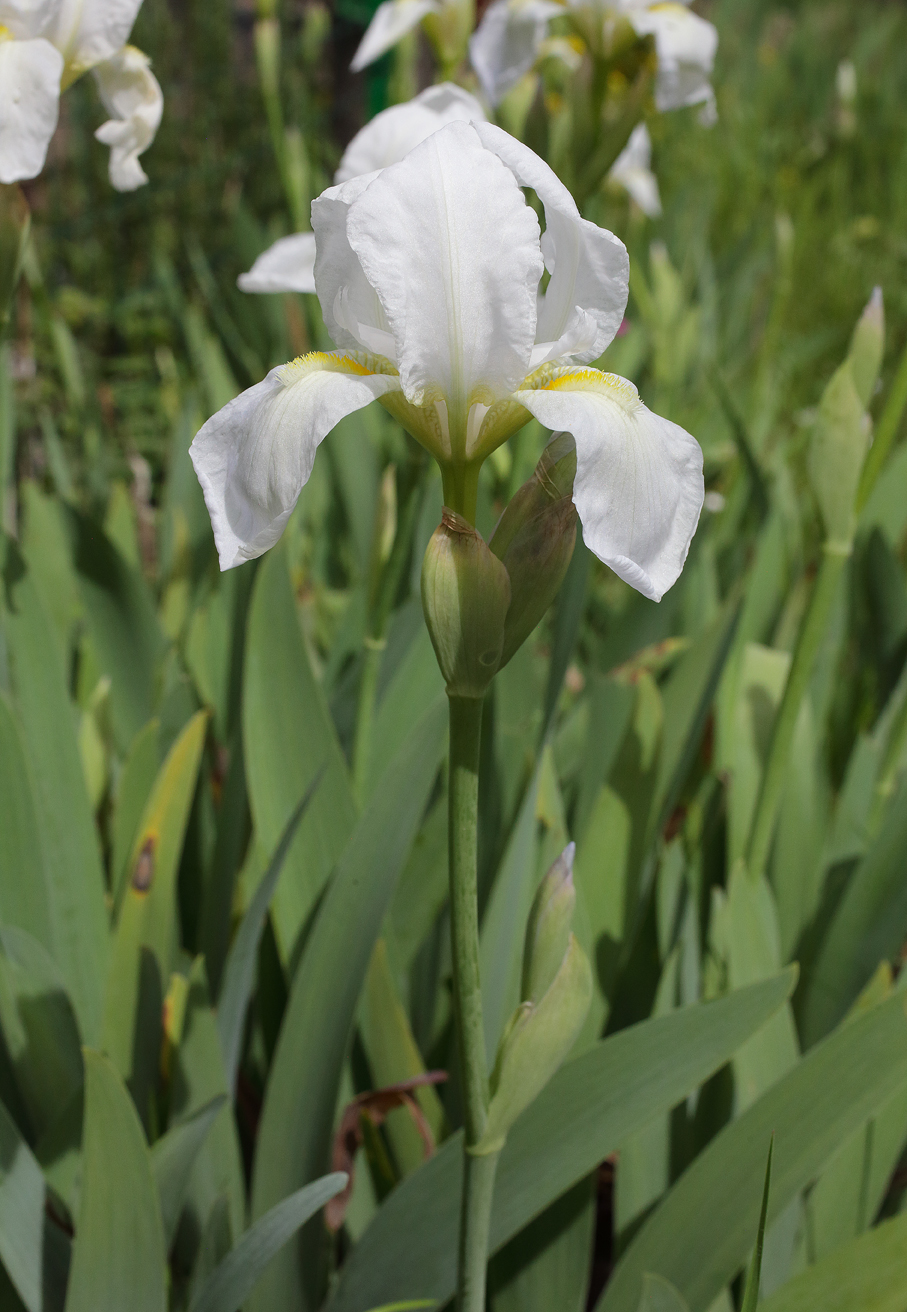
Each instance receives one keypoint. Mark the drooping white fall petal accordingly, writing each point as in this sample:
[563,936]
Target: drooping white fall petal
[131,93]
[433,265]
[507,41]
[639,487]
[254,456]
[685,45]
[390,22]
[30,73]
[289,265]
[631,170]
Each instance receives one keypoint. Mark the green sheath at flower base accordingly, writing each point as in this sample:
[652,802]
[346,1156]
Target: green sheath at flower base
[538,1038]
[548,927]
[535,538]
[465,596]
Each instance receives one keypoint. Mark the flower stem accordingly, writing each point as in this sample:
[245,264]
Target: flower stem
[809,641]
[475,1221]
[478,1172]
[460,481]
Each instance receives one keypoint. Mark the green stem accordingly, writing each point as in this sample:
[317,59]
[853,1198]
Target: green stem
[475,1222]
[478,1174]
[460,482]
[809,641]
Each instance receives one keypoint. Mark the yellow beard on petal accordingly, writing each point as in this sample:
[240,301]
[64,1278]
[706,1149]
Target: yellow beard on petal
[567,378]
[338,362]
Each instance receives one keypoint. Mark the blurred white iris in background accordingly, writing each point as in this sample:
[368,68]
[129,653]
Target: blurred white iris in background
[45,45]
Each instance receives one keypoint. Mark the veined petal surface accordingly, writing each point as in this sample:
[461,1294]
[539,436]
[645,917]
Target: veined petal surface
[639,487]
[132,94]
[506,43]
[585,300]
[254,456]
[451,247]
[393,133]
[287,266]
[685,45]
[352,311]
[390,21]
[30,73]
[86,32]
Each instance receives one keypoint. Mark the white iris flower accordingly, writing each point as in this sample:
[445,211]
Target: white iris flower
[509,39]
[429,275]
[289,265]
[447,24]
[632,171]
[45,45]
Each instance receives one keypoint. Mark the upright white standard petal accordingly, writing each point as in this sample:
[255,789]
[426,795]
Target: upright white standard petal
[350,306]
[86,32]
[132,94]
[393,133]
[632,171]
[30,72]
[685,45]
[586,296]
[287,266]
[639,487]
[452,249]
[507,42]
[254,456]
[390,21]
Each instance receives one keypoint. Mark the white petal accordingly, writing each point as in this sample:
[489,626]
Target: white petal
[685,45]
[132,94]
[394,132]
[86,32]
[287,266]
[390,21]
[639,487]
[452,249]
[584,304]
[26,18]
[30,73]
[631,170]
[506,43]
[254,457]
[352,312]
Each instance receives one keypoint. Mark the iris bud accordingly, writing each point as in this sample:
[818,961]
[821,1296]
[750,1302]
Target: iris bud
[867,346]
[836,453]
[538,1038]
[548,928]
[465,596]
[535,538]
